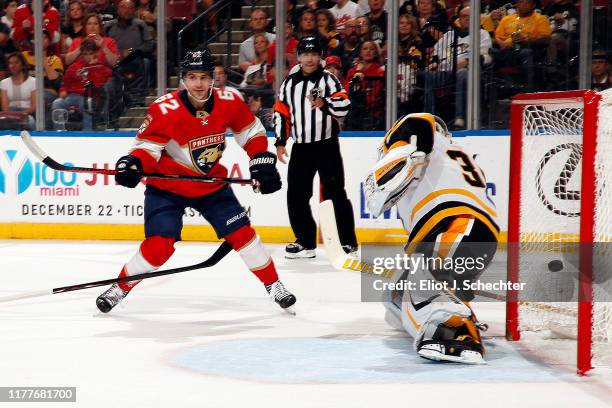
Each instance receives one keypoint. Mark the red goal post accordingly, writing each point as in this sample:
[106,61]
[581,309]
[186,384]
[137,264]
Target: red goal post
[575,123]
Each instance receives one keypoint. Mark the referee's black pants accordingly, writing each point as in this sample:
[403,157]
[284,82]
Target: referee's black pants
[306,160]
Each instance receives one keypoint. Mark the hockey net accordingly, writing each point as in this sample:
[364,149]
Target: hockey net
[560,223]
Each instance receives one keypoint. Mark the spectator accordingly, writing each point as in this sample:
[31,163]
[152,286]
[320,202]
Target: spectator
[334,66]
[317,5]
[220,81]
[145,10]
[563,16]
[6,47]
[105,8]
[135,49]
[18,91]
[344,11]
[364,28]
[73,25]
[410,42]
[366,89]
[410,7]
[84,87]
[290,47]
[526,32]
[491,13]
[256,72]
[432,23]
[108,54]
[410,61]
[326,25]
[348,51]
[378,21]
[307,26]
[9,12]
[293,15]
[53,71]
[23,24]
[454,43]
[600,71]
[268,94]
[258,23]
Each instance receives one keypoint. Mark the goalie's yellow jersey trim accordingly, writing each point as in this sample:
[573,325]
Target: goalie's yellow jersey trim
[449,212]
[459,191]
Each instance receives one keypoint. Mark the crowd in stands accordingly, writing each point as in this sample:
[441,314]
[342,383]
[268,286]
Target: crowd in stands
[525,46]
[100,55]
[97,61]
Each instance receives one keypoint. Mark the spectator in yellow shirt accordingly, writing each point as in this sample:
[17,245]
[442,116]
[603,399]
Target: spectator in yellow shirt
[525,29]
[523,39]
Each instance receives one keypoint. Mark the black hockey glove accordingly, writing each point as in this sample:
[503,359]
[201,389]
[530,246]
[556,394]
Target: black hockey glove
[129,171]
[263,169]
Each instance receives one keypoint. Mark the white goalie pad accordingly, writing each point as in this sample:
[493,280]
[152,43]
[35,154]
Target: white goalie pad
[391,178]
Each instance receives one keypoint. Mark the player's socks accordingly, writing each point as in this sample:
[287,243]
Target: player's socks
[110,298]
[295,251]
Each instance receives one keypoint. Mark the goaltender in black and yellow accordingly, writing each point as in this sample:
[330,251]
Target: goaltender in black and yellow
[440,195]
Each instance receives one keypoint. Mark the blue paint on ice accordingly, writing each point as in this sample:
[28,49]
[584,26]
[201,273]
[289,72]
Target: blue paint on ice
[354,360]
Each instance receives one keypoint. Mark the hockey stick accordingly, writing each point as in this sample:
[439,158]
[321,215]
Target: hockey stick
[353,262]
[219,254]
[46,159]
[333,247]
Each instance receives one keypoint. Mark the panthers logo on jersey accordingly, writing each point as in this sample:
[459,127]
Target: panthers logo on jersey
[206,151]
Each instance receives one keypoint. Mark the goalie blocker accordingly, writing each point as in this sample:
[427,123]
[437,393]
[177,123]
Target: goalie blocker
[440,195]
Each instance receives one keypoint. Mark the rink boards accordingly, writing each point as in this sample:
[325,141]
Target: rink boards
[38,202]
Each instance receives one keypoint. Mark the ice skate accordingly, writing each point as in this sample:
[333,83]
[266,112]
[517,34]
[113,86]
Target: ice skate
[281,296]
[464,349]
[296,251]
[110,298]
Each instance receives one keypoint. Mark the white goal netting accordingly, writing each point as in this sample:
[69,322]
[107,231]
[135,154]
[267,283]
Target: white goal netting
[550,220]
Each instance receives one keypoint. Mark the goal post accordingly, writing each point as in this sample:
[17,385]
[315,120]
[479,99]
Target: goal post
[560,207]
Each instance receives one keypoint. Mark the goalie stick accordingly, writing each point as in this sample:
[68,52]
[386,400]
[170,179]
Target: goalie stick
[219,254]
[46,159]
[353,262]
[331,241]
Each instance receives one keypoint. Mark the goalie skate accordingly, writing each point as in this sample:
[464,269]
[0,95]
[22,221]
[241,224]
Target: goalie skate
[110,298]
[462,350]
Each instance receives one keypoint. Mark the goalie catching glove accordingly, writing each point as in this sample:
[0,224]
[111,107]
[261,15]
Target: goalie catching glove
[129,171]
[263,169]
[392,176]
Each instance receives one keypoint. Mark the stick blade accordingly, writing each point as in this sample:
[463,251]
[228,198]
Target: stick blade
[32,146]
[329,231]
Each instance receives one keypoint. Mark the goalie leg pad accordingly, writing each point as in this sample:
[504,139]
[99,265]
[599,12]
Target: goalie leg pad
[450,334]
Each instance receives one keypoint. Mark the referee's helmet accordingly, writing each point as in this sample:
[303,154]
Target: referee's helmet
[309,44]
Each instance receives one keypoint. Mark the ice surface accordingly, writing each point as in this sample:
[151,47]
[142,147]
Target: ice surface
[212,338]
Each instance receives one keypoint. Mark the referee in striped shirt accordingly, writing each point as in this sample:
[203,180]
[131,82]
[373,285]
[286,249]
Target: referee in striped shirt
[309,103]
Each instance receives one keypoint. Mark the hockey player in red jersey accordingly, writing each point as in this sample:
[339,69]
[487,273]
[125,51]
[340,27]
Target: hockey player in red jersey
[184,133]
